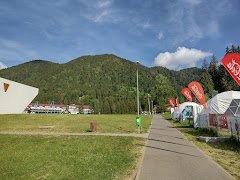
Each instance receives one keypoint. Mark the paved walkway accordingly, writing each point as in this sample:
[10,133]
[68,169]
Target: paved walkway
[169,155]
[74,134]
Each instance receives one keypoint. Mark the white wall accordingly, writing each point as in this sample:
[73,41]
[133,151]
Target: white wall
[17,97]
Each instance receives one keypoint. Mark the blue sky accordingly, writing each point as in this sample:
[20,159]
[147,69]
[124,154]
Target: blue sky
[171,33]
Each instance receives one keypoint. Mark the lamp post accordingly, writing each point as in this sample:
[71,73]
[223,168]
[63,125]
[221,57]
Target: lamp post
[138,120]
[149,109]
[137,91]
[152,106]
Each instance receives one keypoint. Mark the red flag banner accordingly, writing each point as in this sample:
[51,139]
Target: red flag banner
[171,101]
[197,90]
[187,93]
[177,103]
[232,63]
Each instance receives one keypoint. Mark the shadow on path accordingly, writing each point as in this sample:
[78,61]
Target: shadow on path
[170,142]
[192,155]
[170,136]
[164,129]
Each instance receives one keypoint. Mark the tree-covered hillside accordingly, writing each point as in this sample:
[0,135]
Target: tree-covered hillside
[106,82]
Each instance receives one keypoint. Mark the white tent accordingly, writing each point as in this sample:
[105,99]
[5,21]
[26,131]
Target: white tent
[224,103]
[178,114]
[227,103]
[192,111]
[15,97]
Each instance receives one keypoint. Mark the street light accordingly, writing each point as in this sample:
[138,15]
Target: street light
[137,90]
[149,111]
[138,120]
[152,106]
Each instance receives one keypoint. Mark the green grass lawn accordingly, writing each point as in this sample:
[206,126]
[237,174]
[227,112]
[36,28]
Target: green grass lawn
[72,123]
[65,157]
[224,153]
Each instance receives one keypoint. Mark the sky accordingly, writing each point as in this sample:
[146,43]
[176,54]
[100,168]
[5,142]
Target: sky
[175,34]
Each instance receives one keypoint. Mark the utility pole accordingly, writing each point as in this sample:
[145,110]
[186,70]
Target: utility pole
[137,91]
[152,106]
[149,109]
[138,120]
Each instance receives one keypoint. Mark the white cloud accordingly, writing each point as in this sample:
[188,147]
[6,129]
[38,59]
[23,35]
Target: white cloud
[101,16]
[104,3]
[213,28]
[15,51]
[192,20]
[160,35]
[2,66]
[182,58]
[101,11]
[146,25]
[193,2]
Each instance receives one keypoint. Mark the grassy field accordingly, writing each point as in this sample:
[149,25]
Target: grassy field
[72,123]
[64,157]
[227,154]
[69,157]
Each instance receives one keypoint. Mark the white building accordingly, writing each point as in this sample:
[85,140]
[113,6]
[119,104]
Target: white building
[54,108]
[87,109]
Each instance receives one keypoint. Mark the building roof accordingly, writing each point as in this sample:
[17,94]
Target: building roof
[87,107]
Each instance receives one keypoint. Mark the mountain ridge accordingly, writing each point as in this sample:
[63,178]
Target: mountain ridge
[106,82]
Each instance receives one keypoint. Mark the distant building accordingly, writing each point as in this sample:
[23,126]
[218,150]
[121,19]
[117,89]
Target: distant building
[58,108]
[48,108]
[73,109]
[86,109]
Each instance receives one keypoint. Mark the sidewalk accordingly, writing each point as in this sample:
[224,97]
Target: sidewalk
[169,155]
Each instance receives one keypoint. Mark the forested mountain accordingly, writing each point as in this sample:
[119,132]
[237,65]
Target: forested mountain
[106,82]
[180,79]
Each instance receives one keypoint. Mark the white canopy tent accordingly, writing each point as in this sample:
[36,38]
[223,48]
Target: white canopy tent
[225,103]
[183,112]
[177,112]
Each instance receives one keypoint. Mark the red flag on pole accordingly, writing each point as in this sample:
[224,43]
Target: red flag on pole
[187,93]
[177,103]
[171,101]
[232,63]
[197,90]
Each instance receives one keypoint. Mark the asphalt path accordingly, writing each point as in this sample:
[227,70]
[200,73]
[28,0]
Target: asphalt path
[169,155]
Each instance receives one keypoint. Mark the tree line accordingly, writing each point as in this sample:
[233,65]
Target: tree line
[108,83]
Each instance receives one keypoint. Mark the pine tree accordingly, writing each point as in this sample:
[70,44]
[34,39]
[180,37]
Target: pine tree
[207,83]
[233,49]
[238,49]
[227,50]
[162,91]
[213,71]
[226,81]
[205,65]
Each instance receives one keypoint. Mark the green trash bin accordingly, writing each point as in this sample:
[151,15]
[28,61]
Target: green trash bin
[138,121]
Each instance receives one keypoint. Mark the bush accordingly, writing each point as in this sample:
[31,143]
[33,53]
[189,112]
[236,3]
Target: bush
[208,132]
